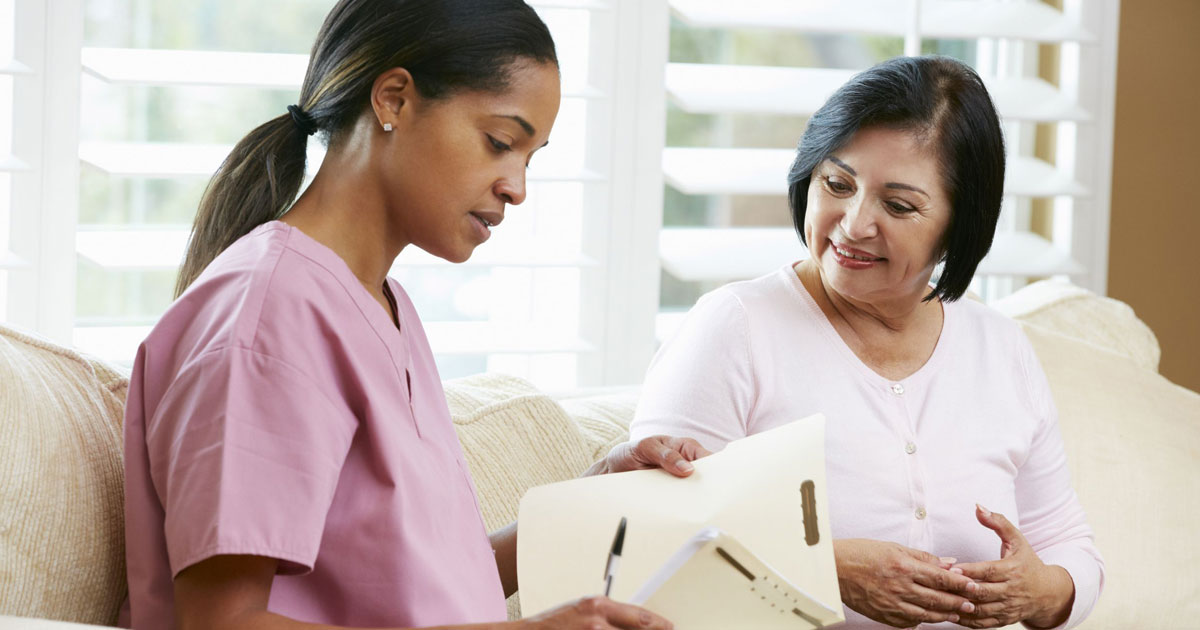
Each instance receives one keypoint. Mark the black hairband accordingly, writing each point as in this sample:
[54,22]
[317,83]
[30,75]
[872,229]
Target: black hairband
[303,121]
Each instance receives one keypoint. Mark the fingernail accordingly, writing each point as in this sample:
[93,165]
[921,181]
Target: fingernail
[985,511]
[971,586]
[685,466]
[956,570]
[949,560]
[953,618]
[967,607]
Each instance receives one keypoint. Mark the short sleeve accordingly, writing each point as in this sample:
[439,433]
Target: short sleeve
[701,383]
[1051,517]
[245,454]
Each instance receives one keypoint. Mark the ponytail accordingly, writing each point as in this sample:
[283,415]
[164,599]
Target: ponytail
[255,184]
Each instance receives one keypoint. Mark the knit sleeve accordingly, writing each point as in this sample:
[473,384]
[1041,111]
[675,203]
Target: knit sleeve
[701,383]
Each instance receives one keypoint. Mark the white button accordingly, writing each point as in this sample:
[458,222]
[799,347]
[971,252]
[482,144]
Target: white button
[920,514]
[897,389]
[910,448]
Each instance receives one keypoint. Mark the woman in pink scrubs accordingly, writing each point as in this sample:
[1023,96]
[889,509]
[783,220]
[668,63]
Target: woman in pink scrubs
[290,458]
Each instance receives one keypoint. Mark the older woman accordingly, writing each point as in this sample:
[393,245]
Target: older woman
[936,407]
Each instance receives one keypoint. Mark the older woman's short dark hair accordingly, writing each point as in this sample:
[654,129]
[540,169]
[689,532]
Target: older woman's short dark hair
[942,101]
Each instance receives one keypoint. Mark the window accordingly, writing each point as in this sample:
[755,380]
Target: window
[665,177]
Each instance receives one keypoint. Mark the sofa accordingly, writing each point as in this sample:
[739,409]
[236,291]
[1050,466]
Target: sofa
[1132,438]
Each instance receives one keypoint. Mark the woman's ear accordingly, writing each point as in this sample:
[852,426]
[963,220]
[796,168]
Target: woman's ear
[392,92]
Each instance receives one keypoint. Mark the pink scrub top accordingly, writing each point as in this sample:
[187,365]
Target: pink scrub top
[276,410]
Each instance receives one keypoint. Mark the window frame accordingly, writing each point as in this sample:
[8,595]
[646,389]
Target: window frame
[45,198]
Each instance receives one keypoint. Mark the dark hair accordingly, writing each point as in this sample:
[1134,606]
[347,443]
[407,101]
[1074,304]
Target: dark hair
[447,46]
[944,102]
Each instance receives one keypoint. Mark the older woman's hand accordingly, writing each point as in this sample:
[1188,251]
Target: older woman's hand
[1017,587]
[672,454]
[899,586]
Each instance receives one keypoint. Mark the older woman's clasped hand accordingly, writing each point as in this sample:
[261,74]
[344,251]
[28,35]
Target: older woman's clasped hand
[899,586]
[1018,587]
[903,587]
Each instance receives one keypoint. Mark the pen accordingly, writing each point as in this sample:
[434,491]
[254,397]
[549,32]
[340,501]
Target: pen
[614,557]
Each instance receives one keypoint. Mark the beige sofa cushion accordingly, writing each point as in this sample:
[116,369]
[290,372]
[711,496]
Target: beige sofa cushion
[514,437]
[1133,445]
[61,499]
[603,417]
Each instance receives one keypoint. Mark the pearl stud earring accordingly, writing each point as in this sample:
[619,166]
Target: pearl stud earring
[387,126]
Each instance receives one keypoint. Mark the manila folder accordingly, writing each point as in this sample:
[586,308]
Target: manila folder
[766,490]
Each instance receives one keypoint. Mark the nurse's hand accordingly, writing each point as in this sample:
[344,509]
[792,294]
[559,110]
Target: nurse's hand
[596,613]
[672,454]
[1018,586]
[899,586]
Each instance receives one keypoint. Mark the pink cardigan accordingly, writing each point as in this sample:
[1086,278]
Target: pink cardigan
[907,461]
